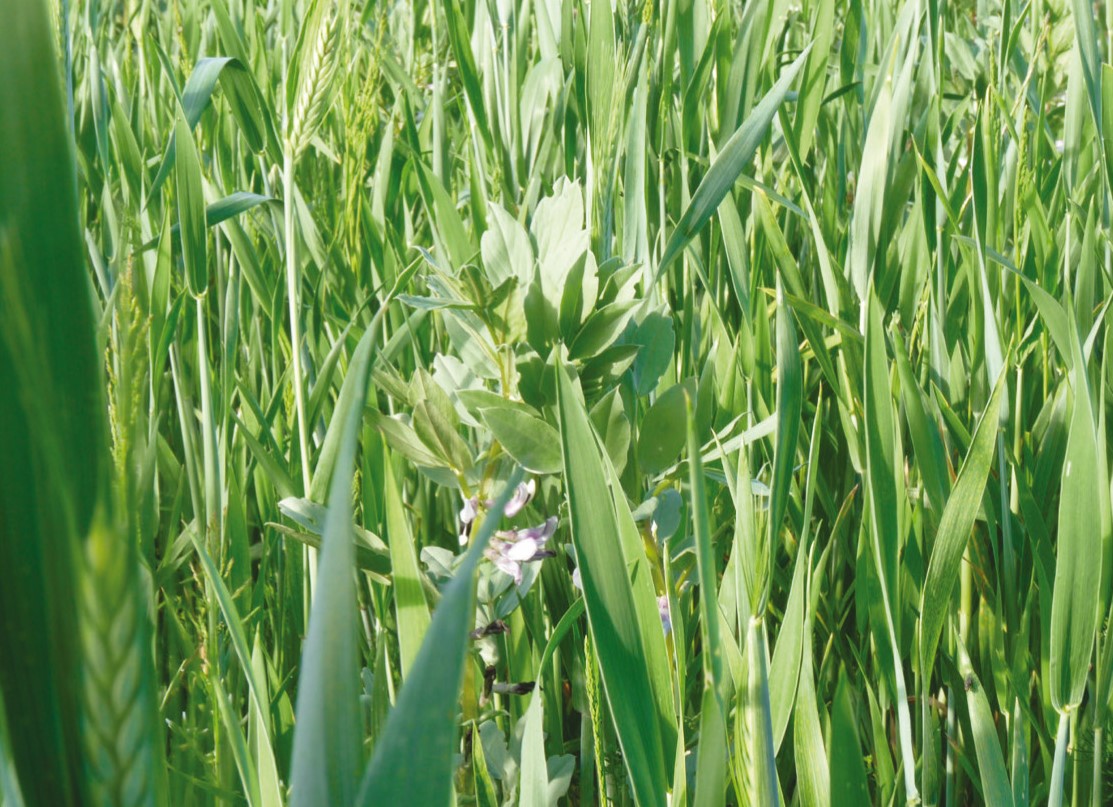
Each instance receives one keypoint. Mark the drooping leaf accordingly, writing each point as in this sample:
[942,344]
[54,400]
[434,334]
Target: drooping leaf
[244,98]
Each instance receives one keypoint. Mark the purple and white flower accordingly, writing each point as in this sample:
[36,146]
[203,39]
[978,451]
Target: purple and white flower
[522,496]
[509,549]
[470,511]
[468,514]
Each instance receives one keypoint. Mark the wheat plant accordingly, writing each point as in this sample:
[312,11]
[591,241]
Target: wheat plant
[472,402]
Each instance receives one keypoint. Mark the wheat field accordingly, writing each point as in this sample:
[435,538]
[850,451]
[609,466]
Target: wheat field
[556,402]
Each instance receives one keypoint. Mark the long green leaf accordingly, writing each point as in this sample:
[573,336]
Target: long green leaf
[848,772]
[811,757]
[191,211]
[885,540]
[52,425]
[1076,601]
[711,761]
[610,604]
[790,403]
[784,668]
[534,779]
[732,161]
[413,758]
[410,608]
[645,606]
[954,528]
[996,788]
[327,743]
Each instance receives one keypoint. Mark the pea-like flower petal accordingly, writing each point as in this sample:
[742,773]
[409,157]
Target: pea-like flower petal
[469,511]
[509,549]
[522,496]
[663,610]
[541,533]
[522,550]
[511,567]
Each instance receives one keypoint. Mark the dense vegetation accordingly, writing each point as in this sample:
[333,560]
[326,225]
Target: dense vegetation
[541,403]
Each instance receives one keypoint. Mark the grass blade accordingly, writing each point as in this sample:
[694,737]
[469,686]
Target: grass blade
[811,757]
[411,609]
[954,529]
[711,762]
[327,743]
[609,600]
[53,427]
[790,402]
[885,540]
[848,771]
[1076,596]
[996,788]
[413,758]
[732,161]
[191,211]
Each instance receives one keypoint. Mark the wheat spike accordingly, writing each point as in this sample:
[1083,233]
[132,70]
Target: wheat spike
[317,76]
[118,699]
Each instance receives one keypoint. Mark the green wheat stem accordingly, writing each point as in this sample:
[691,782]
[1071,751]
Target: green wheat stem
[1058,770]
[292,298]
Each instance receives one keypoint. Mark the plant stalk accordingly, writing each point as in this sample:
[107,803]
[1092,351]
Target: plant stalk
[1055,796]
[295,323]
[1095,786]
[295,350]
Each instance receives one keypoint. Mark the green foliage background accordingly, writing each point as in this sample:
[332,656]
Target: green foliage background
[790,317]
